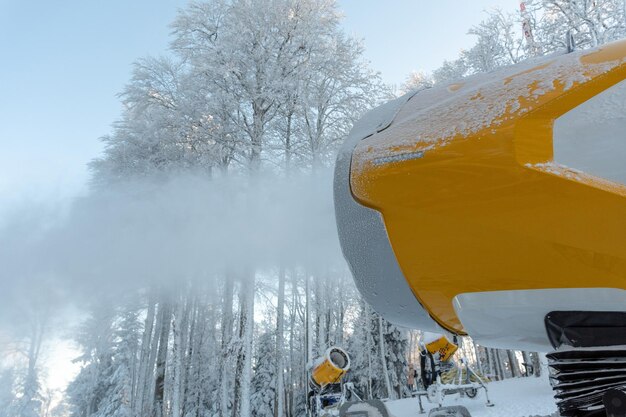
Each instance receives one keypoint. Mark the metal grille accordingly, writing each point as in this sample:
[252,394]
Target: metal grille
[581,377]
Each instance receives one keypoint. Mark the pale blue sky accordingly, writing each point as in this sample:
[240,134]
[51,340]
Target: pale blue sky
[62,64]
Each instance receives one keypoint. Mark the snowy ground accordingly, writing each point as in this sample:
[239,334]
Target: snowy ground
[520,397]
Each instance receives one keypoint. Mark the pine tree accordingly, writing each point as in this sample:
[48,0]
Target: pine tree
[263,397]
[365,368]
[87,391]
[118,399]
[397,344]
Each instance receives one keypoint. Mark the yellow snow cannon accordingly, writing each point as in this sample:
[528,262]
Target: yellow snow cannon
[330,368]
[328,397]
[454,211]
[440,346]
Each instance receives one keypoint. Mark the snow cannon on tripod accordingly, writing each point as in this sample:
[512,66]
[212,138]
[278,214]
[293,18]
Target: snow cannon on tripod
[330,396]
[326,392]
[441,346]
[330,368]
[495,206]
[440,376]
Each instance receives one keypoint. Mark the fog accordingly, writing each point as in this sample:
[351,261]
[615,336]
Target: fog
[119,239]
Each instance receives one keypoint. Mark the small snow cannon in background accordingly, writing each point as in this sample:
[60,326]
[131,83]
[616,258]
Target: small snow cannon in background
[441,346]
[435,350]
[328,396]
[495,206]
[441,377]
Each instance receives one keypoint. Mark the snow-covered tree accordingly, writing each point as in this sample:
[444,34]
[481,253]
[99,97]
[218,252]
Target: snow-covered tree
[498,43]
[90,387]
[249,86]
[590,22]
[365,366]
[118,400]
[380,369]
[396,349]
[167,127]
[500,40]
[30,328]
[416,80]
[7,394]
[249,50]
[450,71]
[336,90]
[264,393]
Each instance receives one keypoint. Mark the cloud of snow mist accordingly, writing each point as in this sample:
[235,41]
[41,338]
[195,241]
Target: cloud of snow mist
[187,228]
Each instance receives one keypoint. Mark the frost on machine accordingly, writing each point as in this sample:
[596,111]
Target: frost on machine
[460,210]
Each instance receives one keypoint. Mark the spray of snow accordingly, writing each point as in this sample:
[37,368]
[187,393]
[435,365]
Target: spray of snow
[145,233]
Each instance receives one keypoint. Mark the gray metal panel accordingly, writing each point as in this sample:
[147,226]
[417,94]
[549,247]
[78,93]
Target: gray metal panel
[364,239]
[516,319]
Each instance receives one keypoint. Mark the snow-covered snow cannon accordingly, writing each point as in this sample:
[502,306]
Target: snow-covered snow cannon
[441,377]
[329,396]
[442,347]
[326,391]
[460,207]
[330,368]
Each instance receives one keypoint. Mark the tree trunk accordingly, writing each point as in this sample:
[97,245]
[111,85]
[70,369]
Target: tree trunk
[240,360]
[159,381]
[499,365]
[292,356]
[180,323]
[490,368]
[341,317]
[512,363]
[288,143]
[369,344]
[527,362]
[149,346]
[195,402]
[319,342]
[26,406]
[191,352]
[227,331]
[383,358]
[479,364]
[536,361]
[624,11]
[280,324]
[246,377]
[241,402]
[327,310]
[308,332]
[256,139]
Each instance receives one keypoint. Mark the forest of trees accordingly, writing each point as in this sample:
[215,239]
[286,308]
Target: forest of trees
[250,88]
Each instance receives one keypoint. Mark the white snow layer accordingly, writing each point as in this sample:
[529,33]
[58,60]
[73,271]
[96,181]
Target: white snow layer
[518,397]
[438,114]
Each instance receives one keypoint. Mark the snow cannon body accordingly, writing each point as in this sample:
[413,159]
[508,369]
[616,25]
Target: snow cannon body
[458,209]
[440,346]
[330,368]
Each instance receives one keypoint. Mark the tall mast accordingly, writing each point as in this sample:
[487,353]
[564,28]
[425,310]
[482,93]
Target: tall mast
[527,29]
